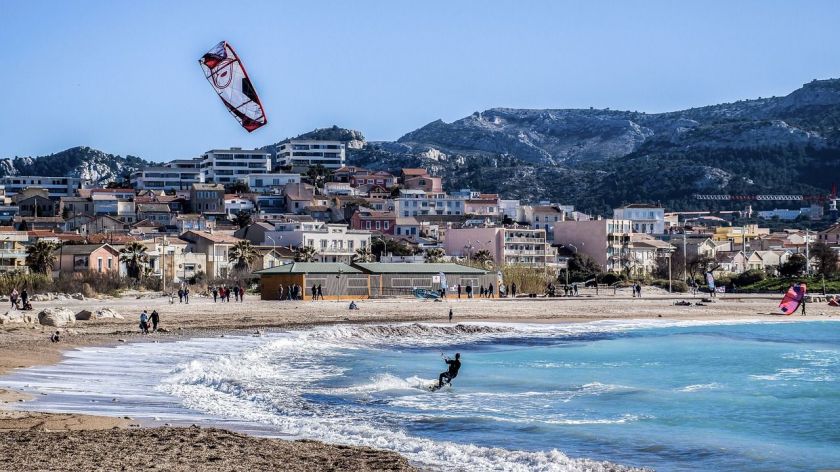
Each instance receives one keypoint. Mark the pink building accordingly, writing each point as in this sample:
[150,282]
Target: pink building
[88,257]
[507,246]
[605,241]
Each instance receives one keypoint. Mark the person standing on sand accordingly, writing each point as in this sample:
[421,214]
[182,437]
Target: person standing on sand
[241,294]
[144,322]
[469,291]
[14,298]
[24,298]
[155,320]
[450,315]
[490,291]
[215,292]
[187,295]
[180,295]
[314,292]
[320,293]
[459,291]
[513,290]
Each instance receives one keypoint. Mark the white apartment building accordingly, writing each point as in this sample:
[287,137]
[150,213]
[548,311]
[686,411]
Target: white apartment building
[225,166]
[310,152]
[235,204]
[648,219]
[418,202]
[266,182]
[55,186]
[166,178]
[333,242]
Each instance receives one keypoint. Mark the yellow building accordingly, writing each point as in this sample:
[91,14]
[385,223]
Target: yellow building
[736,234]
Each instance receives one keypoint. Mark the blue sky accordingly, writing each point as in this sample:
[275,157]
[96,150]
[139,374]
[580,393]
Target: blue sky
[123,76]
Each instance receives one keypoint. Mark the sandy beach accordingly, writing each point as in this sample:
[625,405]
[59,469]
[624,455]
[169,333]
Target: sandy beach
[41,441]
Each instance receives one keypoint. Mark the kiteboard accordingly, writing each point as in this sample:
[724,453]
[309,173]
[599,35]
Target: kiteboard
[793,298]
[435,387]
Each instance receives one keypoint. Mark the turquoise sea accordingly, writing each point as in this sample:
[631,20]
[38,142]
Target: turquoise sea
[666,395]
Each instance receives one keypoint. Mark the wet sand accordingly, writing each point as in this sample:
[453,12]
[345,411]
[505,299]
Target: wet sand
[24,434]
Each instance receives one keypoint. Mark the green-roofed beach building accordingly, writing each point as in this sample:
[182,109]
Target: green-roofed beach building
[337,280]
[400,279]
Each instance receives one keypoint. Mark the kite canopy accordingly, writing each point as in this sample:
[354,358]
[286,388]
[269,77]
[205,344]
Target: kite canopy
[227,75]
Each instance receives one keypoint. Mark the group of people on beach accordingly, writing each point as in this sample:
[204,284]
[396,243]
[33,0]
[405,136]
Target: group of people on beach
[20,300]
[291,292]
[223,293]
[637,290]
[146,319]
[483,292]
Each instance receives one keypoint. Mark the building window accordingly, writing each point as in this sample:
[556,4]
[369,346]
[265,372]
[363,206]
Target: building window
[99,264]
[387,225]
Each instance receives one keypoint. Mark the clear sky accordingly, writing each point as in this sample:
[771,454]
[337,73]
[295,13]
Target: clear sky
[123,76]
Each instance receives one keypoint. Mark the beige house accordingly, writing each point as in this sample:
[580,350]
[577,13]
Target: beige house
[215,246]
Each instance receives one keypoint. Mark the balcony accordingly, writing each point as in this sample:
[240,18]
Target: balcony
[514,239]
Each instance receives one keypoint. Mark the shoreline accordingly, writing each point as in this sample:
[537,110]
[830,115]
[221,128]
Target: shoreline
[23,346]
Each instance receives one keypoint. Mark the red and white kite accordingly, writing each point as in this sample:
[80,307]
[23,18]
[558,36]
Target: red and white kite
[227,75]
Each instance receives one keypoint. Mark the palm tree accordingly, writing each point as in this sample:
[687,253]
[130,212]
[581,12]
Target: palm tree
[435,254]
[40,257]
[483,257]
[243,255]
[305,254]
[242,219]
[135,258]
[363,254]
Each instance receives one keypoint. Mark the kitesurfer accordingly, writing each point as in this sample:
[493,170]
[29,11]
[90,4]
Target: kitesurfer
[454,365]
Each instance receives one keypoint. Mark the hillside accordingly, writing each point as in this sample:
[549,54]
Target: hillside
[81,161]
[597,159]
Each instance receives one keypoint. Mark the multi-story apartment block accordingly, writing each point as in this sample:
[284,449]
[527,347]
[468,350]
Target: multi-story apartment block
[485,204]
[166,178]
[605,241]
[332,242]
[508,246]
[225,166]
[311,152]
[648,219]
[267,182]
[418,202]
[543,217]
[56,186]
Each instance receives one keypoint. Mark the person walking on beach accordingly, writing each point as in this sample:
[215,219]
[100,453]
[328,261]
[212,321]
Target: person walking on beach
[155,320]
[215,292]
[24,298]
[14,298]
[469,291]
[452,372]
[575,288]
[490,291]
[320,293]
[450,315]
[144,322]
[241,294]
[236,293]
[314,292]
[180,295]
[187,295]
[459,291]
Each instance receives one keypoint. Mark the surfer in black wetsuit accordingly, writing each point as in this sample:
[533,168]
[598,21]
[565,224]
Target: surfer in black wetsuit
[454,365]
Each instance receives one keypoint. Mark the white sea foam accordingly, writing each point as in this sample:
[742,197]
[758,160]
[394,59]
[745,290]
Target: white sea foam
[699,387]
